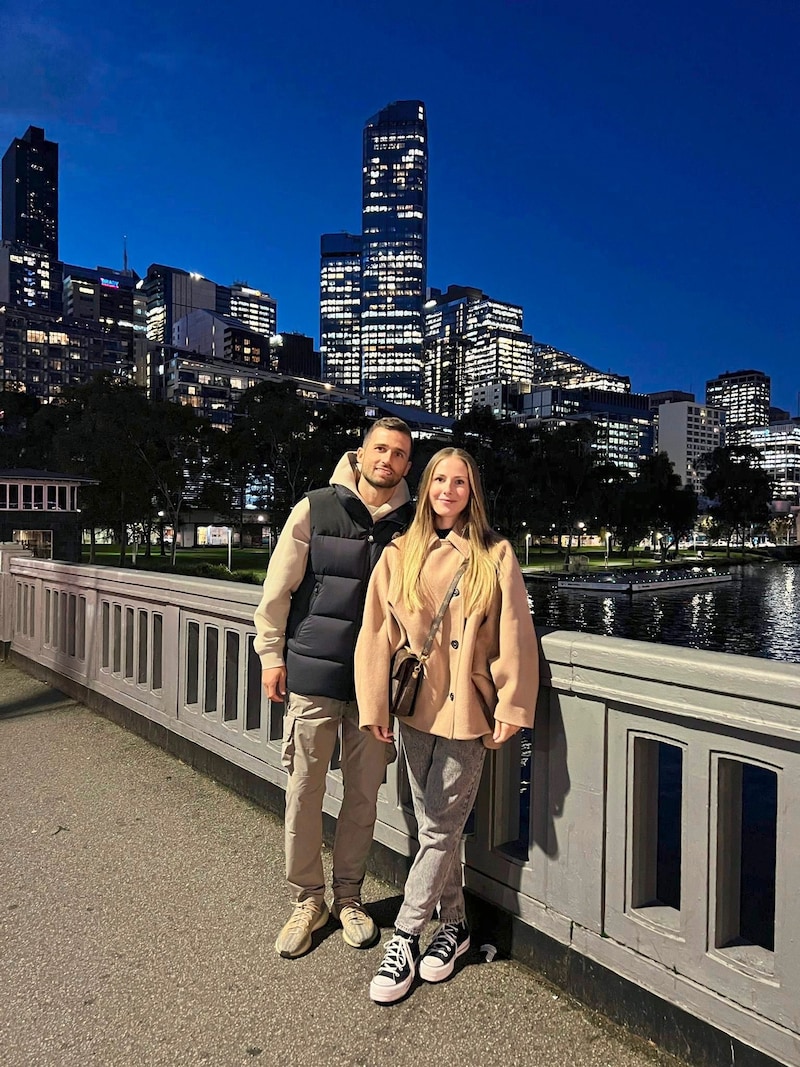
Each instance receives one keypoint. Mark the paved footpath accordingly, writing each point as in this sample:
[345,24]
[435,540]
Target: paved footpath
[139,903]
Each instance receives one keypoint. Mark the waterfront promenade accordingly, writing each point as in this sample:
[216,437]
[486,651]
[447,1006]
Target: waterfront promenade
[140,902]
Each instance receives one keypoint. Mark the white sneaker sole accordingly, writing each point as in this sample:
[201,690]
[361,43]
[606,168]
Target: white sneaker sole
[388,994]
[429,973]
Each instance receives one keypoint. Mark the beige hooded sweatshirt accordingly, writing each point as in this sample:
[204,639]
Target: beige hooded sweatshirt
[289,559]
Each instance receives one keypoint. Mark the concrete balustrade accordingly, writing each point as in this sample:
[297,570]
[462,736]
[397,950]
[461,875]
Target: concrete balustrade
[647,826]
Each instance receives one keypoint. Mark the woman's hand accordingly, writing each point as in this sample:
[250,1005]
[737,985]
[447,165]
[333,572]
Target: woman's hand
[382,733]
[502,732]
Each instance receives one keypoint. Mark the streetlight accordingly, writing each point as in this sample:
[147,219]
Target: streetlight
[527,547]
[230,542]
[161,531]
[608,545]
[581,528]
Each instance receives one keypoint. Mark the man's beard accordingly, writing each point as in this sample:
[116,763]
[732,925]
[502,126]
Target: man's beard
[393,480]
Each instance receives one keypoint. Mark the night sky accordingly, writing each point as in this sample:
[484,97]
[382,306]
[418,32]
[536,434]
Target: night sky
[626,170]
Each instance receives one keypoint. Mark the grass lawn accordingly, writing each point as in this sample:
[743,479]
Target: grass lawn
[243,560]
[253,562]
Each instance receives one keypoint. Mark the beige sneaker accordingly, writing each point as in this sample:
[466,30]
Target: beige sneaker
[295,938]
[358,929]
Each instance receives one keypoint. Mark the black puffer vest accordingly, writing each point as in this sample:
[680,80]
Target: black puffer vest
[327,607]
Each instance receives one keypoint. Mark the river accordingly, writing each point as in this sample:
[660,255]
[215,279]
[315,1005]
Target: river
[756,614]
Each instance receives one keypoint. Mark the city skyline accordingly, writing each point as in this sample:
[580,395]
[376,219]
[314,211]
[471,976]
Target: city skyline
[630,184]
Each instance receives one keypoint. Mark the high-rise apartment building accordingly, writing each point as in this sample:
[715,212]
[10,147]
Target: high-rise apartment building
[689,432]
[42,357]
[394,251]
[744,396]
[340,308]
[470,340]
[30,192]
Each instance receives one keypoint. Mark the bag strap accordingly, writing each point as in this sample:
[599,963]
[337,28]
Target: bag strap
[426,648]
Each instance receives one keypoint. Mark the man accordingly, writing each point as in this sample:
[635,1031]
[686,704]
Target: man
[307,624]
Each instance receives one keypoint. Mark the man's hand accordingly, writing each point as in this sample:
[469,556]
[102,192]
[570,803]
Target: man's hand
[382,733]
[273,680]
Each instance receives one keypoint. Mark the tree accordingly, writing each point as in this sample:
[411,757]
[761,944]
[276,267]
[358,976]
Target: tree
[565,478]
[97,430]
[739,489]
[504,455]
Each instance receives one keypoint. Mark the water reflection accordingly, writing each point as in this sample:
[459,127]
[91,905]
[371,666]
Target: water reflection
[754,615]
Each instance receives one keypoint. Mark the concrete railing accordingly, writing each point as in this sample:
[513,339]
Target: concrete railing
[648,825]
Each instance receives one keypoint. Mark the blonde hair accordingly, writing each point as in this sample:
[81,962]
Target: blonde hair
[480,580]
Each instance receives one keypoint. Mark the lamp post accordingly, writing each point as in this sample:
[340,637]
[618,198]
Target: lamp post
[230,544]
[161,531]
[608,545]
[527,547]
[581,528]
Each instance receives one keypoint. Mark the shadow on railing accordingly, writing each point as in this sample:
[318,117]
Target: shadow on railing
[647,824]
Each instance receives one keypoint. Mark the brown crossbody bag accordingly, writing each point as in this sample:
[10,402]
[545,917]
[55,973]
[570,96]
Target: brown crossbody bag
[408,667]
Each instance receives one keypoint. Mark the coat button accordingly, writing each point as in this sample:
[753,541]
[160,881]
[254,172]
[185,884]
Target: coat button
[454,644]
[457,592]
[452,696]
[370,538]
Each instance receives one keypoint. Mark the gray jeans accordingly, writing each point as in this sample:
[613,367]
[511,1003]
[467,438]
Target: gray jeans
[444,776]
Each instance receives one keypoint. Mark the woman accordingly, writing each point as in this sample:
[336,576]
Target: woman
[479,688]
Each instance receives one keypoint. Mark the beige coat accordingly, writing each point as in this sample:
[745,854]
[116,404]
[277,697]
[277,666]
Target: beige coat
[481,668]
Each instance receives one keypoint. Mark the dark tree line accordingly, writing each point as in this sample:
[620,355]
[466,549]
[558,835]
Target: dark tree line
[157,457]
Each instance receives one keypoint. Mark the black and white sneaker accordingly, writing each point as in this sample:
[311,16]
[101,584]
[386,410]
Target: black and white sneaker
[450,941]
[396,972]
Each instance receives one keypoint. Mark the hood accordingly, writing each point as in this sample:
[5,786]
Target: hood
[346,474]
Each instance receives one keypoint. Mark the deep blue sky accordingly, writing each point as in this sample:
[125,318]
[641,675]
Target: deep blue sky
[625,170]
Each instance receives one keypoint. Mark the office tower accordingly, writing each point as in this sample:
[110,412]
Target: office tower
[340,308]
[551,366]
[293,354]
[106,296]
[470,340]
[394,248]
[689,432]
[744,396]
[30,192]
[779,445]
[30,278]
[257,310]
[171,293]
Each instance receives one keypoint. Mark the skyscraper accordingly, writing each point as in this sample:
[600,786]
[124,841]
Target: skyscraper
[744,396]
[340,308]
[394,251]
[470,340]
[30,192]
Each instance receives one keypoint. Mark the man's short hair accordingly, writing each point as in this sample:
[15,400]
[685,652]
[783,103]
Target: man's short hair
[389,422]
